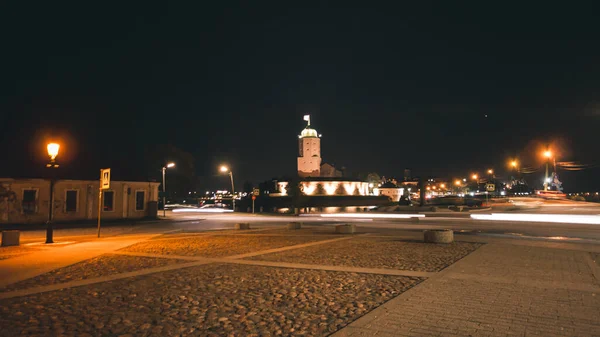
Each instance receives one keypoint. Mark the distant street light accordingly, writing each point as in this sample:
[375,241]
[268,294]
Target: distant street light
[52,149]
[457,183]
[490,171]
[548,155]
[226,169]
[474,177]
[164,169]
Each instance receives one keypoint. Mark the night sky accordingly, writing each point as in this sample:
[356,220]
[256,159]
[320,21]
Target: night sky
[389,87]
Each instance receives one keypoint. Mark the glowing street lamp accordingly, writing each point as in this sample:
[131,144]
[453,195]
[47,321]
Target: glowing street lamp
[164,169]
[52,149]
[225,169]
[474,176]
[548,155]
[457,183]
[490,171]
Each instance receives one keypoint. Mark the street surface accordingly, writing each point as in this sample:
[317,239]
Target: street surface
[191,274]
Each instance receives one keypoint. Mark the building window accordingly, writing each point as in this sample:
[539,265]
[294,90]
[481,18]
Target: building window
[29,203]
[71,200]
[140,200]
[109,200]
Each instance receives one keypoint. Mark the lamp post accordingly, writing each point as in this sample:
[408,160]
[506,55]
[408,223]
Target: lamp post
[547,154]
[52,153]
[226,169]
[164,169]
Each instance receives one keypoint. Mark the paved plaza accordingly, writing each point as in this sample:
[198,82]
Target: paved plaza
[271,281]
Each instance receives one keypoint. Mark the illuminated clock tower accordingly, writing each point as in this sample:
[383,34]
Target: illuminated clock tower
[309,157]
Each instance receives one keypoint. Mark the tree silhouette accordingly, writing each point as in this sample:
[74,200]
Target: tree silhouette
[340,190]
[356,191]
[373,178]
[320,190]
[295,190]
[181,179]
[248,188]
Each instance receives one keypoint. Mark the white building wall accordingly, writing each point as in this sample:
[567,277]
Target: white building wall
[13,209]
[393,193]
[329,187]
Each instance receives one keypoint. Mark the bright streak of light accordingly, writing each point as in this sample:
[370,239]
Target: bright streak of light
[201,210]
[559,218]
[368,216]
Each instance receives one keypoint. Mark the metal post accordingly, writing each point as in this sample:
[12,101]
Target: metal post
[99,202]
[164,197]
[232,190]
[49,229]
[252,205]
[546,178]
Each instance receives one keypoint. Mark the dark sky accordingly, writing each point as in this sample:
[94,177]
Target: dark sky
[389,87]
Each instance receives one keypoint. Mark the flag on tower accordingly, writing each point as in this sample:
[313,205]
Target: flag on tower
[307,118]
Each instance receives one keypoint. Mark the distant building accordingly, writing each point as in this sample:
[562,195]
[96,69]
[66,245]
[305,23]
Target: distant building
[328,170]
[24,201]
[309,156]
[327,186]
[407,176]
[391,191]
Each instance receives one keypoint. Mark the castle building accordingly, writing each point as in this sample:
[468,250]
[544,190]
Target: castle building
[309,156]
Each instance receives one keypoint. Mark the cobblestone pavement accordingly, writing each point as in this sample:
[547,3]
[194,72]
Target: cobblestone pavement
[212,300]
[502,288]
[218,245]
[499,290]
[96,267]
[378,253]
[596,258]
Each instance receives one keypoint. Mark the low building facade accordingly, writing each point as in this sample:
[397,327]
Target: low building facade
[327,186]
[26,201]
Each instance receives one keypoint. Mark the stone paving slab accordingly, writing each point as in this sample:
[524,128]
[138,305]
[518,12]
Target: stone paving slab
[531,265]
[218,246]
[96,267]
[367,252]
[513,291]
[209,300]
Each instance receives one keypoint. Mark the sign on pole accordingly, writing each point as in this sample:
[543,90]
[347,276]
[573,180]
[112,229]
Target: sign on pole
[105,179]
[490,187]
[256,192]
[104,185]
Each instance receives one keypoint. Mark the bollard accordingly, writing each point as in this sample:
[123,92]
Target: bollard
[438,236]
[11,238]
[294,225]
[242,226]
[345,229]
